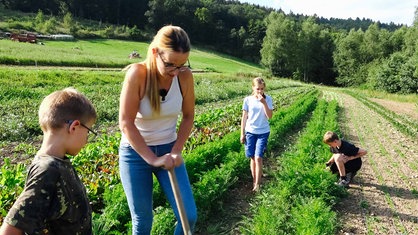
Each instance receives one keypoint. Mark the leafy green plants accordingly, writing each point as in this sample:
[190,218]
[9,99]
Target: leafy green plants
[12,181]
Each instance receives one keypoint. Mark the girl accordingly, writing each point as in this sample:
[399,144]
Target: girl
[255,129]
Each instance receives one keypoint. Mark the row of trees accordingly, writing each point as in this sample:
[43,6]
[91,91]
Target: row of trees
[376,57]
[311,49]
[225,25]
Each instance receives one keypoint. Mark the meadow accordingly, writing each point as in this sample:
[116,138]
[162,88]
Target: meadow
[298,193]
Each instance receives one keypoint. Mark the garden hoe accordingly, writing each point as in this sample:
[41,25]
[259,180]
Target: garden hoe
[179,202]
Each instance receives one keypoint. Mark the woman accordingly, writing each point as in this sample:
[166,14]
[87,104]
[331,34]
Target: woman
[153,95]
[255,129]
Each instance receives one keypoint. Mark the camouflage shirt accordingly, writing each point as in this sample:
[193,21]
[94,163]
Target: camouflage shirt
[54,200]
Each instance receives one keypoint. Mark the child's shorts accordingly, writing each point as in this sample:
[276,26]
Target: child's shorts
[350,166]
[255,144]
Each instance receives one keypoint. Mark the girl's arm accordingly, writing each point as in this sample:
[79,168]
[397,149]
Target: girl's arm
[267,111]
[243,123]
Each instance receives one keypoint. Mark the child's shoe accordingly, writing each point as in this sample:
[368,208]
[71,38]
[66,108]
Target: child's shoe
[344,182]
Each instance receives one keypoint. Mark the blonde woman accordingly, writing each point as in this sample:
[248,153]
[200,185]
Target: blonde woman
[154,94]
[255,128]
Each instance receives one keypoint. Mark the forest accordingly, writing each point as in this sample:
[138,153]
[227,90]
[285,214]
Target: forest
[351,52]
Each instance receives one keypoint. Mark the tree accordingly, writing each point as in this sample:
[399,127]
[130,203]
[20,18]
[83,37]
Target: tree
[348,58]
[315,53]
[398,74]
[279,49]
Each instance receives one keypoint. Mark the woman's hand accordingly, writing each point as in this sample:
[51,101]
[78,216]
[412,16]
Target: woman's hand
[169,160]
[165,161]
[177,159]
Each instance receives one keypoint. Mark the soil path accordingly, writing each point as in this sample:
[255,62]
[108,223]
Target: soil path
[383,198]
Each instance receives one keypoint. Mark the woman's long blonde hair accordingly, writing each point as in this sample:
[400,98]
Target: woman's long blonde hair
[171,39]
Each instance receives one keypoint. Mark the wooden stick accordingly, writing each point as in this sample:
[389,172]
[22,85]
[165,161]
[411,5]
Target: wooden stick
[179,202]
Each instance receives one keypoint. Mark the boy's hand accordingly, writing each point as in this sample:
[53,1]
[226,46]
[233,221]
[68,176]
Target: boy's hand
[346,158]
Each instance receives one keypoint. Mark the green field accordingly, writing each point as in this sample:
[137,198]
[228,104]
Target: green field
[107,53]
[298,193]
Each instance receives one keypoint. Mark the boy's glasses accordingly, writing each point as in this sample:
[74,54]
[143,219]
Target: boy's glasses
[171,67]
[91,135]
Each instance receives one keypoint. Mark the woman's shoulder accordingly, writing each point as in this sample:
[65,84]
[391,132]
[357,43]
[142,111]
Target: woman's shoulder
[185,79]
[186,75]
[135,71]
[136,68]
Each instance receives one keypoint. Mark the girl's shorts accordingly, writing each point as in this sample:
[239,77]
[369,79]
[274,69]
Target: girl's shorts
[255,144]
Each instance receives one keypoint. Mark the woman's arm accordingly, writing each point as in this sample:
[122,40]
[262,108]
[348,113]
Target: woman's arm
[133,90]
[187,119]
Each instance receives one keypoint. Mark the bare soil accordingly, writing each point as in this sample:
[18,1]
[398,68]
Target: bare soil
[402,108]
[383,198]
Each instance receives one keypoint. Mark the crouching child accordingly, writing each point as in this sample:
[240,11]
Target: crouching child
[345,160]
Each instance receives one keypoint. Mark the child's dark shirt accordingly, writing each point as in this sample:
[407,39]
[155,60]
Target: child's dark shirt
[54,200]
[346,148]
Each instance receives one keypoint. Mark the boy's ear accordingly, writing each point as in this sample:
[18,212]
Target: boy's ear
[74,124]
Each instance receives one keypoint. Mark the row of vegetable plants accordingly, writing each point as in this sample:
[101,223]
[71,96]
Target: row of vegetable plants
[215,120]
[213,169]
[22,90]
[97,163]
[28,92]
[301,196]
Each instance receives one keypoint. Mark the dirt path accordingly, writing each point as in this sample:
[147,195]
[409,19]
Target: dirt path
[384,196]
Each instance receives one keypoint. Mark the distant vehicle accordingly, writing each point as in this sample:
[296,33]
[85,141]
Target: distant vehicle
[23,37]
[134,54]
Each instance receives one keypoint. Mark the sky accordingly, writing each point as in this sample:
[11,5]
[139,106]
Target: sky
[385,11]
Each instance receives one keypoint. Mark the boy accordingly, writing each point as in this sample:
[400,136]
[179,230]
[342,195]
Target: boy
[346,158]
[54,200]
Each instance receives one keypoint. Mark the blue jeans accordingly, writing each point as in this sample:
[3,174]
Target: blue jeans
[255,144]
[137,181]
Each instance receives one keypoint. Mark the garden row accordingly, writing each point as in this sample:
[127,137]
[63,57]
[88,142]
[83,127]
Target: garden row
[22,90]
[213,169]
[98,167]
[301,196]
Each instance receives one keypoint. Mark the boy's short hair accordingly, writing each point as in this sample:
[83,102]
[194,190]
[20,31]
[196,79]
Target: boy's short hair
[330,137]
[64,105]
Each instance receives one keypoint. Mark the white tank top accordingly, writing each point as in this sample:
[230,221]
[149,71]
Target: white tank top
[160,129]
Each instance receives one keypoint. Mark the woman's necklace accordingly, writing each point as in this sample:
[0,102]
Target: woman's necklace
[163,91]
